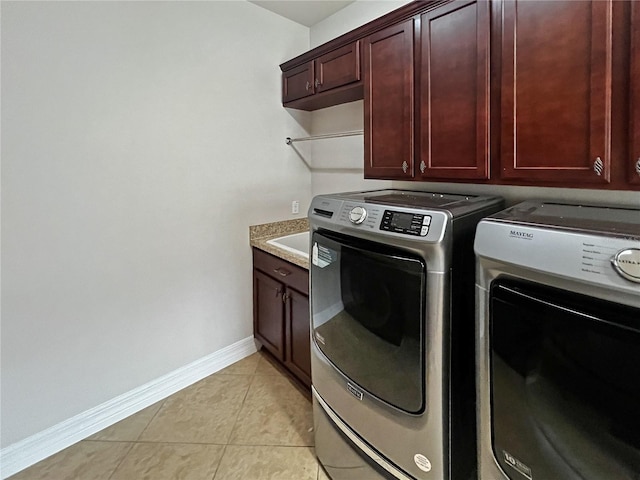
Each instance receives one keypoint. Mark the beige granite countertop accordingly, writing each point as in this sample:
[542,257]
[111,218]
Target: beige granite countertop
[259,234]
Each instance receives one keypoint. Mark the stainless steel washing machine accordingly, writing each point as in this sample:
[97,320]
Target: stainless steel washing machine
[393,330]
[558,342]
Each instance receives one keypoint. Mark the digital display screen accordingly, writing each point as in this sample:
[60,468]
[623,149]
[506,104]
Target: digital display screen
[401,220]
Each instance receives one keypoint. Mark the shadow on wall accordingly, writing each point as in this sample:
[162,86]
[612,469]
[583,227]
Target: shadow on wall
[332,147]
[337,144]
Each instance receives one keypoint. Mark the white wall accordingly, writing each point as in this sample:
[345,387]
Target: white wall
[352,16]
[140,140]
[338,163]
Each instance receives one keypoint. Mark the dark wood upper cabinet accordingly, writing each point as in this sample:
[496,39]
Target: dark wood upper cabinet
[330,79]
[556,91]
[454,91]
[507,92]
[388,75]
[634,130]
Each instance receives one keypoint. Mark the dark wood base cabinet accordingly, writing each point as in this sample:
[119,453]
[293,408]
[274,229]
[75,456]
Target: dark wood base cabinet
[281,312]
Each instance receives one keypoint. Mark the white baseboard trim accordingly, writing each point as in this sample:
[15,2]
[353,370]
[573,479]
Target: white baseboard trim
[22,454]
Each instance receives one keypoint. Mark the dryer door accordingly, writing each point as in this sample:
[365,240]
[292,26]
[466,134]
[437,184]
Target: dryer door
[368,311]
[565,384]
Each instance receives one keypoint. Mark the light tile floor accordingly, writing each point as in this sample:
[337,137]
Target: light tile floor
[247,422]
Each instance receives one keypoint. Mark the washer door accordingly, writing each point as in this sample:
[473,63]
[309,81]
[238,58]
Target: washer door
[565,384]
[368,304]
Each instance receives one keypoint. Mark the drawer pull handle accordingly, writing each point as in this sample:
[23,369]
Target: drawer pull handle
[282,272]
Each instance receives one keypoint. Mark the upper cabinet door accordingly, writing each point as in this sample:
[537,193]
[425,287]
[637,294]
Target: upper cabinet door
[337,68]
[556,91]
[634,171]
[388,102]
[454,91]
[298,82]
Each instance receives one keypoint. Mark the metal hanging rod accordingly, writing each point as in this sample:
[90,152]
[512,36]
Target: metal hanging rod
[290,140]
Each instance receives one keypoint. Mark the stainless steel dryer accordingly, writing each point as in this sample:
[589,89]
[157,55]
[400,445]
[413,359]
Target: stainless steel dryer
[393,326]
[558,293]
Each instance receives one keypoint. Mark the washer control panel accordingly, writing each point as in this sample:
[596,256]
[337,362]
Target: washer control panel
[408,223]
[411,223]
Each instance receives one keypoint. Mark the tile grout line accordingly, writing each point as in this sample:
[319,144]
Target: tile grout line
[295,386]
[131,444]
[224,451]
[136,441]
[155,442]
[244,399]
[215,473]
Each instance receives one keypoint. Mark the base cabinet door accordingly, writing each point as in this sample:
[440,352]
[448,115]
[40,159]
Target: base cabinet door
[298,357]
[454,91]
[556,91]
[388,102]
[281,312]
[268,313]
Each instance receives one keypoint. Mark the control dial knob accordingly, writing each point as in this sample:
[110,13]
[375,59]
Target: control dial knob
[357,215]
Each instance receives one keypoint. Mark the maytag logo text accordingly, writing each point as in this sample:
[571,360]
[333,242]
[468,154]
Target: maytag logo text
[521,235]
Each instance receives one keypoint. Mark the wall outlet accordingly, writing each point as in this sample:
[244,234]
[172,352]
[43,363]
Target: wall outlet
[295,207]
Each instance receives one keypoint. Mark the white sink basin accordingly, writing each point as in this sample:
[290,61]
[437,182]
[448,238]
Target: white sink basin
[296,243]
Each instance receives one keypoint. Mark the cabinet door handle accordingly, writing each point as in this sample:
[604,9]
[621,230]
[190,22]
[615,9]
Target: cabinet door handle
[405,166]
[282,272]
[423,166]
[317,83]
[598,166]
[638,166]
[278,291]
[308,86]
[285,297]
